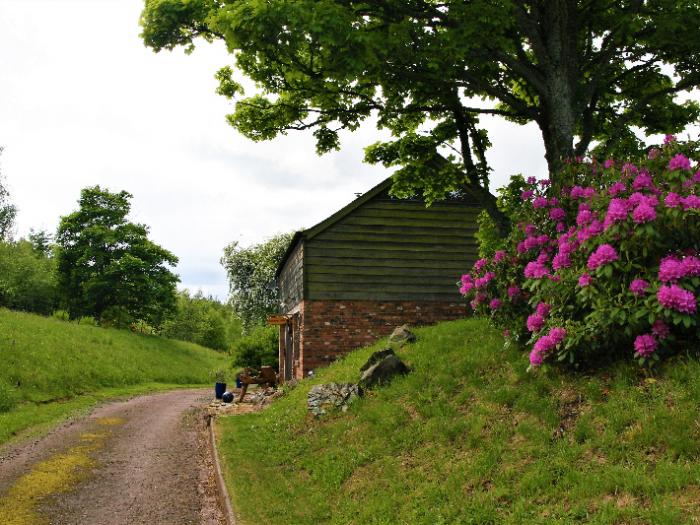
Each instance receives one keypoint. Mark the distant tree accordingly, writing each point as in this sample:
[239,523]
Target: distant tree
[42,241]
[27,278]
[203,320]
[258,348]
[251,275]
[587,72]
[108,268]
[8,211]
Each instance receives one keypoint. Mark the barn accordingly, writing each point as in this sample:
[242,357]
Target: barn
[377,263]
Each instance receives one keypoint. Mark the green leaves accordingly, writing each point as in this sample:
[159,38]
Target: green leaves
[107,264]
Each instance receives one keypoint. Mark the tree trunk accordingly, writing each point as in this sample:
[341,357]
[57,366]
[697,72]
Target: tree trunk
[488,201]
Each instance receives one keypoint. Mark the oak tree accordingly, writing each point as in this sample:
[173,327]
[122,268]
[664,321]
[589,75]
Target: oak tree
[588,72]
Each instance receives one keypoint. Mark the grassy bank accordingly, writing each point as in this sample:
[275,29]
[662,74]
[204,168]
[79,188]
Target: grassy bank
[48,367]
[470,437]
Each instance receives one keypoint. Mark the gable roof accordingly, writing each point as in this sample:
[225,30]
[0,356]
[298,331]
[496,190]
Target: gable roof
[328,222]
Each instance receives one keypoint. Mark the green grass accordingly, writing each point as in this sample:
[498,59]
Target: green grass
[470,437]
[49,368]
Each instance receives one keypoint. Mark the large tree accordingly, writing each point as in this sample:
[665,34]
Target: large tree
[251,277]
[107,266]
[586,71]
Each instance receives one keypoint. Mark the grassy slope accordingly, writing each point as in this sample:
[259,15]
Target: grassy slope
[470,437]
[56,361]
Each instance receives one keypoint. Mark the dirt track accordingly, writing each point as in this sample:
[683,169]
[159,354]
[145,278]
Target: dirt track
[145,460]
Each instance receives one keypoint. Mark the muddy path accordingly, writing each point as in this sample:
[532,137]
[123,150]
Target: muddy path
[144,460]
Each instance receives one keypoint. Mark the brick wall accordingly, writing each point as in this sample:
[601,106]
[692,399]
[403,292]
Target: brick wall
[331,329]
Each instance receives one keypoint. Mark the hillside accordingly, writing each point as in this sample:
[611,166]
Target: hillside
[470,437]
[46,360]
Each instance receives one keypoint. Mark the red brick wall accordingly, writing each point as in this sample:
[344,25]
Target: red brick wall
[331,329]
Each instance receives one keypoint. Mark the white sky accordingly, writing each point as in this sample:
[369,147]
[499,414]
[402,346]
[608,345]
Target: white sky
[83,102]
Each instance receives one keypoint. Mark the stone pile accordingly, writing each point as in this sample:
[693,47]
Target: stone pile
[322,398]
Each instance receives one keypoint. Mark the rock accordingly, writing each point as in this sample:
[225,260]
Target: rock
[383,371]
[402,335]
[322,398]
[376,357]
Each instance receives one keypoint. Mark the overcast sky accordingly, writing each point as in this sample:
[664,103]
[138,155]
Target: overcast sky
[83,102]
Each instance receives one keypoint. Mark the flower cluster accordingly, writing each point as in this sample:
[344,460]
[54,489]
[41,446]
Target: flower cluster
[604,256]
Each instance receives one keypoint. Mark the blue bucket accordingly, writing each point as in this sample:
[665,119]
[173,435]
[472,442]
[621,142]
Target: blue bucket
[219,390]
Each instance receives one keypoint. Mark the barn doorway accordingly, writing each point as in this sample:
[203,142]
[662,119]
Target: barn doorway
[288,349]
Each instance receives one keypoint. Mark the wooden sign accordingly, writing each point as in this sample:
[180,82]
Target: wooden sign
[277,319]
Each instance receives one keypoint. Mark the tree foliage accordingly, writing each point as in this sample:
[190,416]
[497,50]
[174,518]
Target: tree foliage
[27,278]
[8,211]
[587,72]
[108,268]
[258,348]
[251,274]
[203,320]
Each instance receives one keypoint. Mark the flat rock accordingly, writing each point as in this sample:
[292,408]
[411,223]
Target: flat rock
[383,371]
[331,396]
[401,335]
[376,357]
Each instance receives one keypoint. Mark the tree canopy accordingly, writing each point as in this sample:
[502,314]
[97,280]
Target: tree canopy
[587,72]
[108,268]
[251,275]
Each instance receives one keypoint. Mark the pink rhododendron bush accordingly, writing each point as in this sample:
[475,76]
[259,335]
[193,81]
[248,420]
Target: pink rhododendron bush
[606,264]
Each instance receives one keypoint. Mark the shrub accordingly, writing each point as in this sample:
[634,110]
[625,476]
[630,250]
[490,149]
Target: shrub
[260,347]
[606,262]
[27,278]
[8,397]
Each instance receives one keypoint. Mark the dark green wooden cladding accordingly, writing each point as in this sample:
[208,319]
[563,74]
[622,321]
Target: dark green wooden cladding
[291,279]
[392,250]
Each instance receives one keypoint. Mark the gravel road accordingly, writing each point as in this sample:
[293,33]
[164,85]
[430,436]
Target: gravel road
[144,460]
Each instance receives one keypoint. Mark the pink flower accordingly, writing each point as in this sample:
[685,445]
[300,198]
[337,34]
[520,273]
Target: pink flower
[539,202]
[506,334]
[672,200]
[481,282]
[617,211]
[584,217]
[691,202]
[466,288]
[604,254]
[557,334]
[467,278]
[531,180]
[639,198]
[638,287]
[495,304]
[536,358]
[561,260]
[545,182]
[513,291]
[479,265]
[642,181]
[526,195]
[691,266]
[535,270]
[671,269]
[679,162]
[669,139]
[535,322]
[530,230]
[616,189]
[543,309]
[585,280]
[557,214]
[609,163]
[660,329]
[499,256]
[643,213]
[653,153]
[676,298]
[645,345]
[560,227]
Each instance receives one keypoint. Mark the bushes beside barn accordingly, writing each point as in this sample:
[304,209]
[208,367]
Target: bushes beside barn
[604,263]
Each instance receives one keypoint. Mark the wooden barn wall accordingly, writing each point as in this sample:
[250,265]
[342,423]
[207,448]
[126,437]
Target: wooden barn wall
[291,279]
[393,250]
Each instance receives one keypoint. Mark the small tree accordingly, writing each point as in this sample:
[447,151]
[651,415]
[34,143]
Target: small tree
[107,266]
[251,273]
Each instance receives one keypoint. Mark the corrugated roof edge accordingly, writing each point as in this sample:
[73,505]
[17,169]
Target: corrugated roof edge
[326,223]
